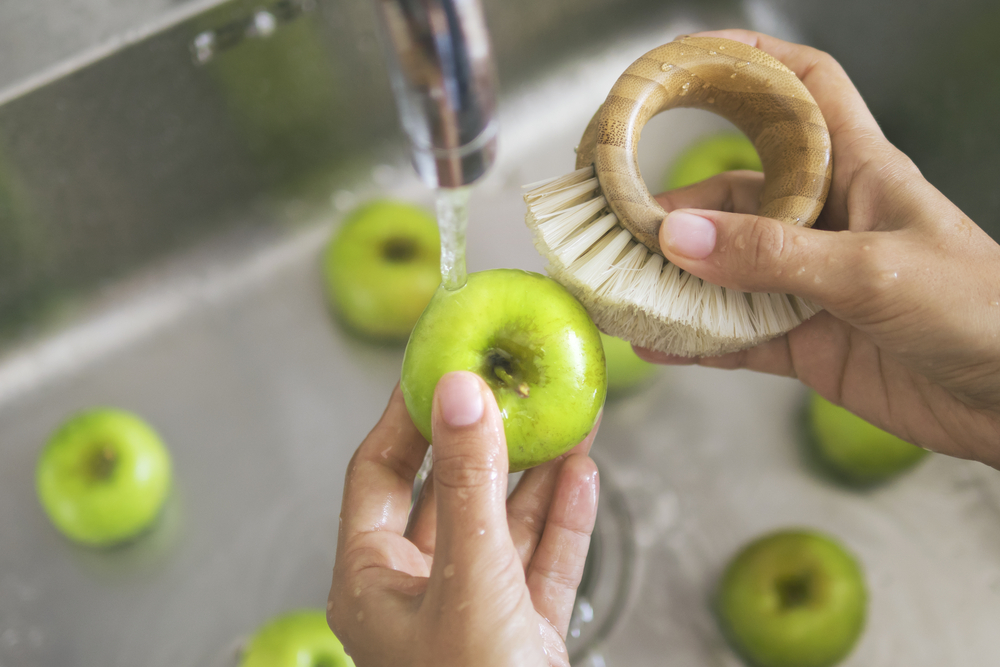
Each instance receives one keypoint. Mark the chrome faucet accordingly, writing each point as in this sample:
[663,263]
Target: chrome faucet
[443,79]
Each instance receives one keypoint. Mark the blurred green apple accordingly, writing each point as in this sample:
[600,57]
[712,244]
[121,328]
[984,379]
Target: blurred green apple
[382,268]
[710,156]
[854,450]
[534,345]
[794,598]
[296,639]
[626,370]
[103,476]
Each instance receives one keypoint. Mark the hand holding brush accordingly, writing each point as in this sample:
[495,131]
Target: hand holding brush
[909,338]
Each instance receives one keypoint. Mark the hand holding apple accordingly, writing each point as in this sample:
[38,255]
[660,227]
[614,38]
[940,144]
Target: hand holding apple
[103,477]
[470,576]
[794,598]
[530,341]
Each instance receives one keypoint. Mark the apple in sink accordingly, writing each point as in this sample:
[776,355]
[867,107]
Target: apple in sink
[855,451]
[382,267]
[295,639]
[627,371]
[533,344]
[710,156]
[103,477]
[794,598]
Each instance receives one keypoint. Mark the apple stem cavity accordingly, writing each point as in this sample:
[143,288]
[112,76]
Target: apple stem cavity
[399,250]
[102,462]
[794,591]
[502,364]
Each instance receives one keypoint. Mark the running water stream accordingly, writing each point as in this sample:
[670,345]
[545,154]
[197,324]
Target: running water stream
[453,218]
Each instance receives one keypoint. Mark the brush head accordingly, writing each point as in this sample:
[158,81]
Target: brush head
[598,226]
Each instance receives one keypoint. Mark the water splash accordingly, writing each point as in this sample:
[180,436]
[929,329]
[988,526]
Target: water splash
[453,218]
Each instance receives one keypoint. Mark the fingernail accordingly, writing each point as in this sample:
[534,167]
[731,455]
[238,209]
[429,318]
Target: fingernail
[689,235]
[459,398]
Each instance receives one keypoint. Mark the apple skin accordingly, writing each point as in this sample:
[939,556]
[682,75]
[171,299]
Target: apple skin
[297,639]
[793,598]
[627,371]
[529,325]
[382,267]
[855,451]
[103,477]
[710,156]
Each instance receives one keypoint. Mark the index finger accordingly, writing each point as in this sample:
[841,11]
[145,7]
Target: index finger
[379,484]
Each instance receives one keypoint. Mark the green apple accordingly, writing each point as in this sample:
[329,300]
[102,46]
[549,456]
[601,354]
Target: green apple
[103,476]
[626,370]
[710,156]
[296,639]
[382,268]
[854,450]
[794,598]
[534,345]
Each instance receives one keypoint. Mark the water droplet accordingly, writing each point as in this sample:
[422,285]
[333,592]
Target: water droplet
[264,24]
[713,53]
[742,65]
[722,48]
[449,571]
[666,67]
[203,47]
[685,88]
[733,75]
[482,531]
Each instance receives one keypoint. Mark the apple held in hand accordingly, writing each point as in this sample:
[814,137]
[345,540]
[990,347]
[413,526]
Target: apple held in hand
[626,370]
[103,477]
[382,267]
[713,155]
[296,639]
[534,345]
[795,598]
[854,450]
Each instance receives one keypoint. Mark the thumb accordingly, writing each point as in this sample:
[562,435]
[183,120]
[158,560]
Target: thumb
[752,253]
[470,480]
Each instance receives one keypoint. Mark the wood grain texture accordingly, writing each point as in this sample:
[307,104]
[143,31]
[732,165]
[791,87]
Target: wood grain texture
[748,87]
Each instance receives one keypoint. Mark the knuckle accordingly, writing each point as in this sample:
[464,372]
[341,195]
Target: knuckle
[765,246]
[874,272]
[463,470]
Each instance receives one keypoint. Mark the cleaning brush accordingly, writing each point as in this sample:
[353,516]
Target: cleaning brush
[598,226]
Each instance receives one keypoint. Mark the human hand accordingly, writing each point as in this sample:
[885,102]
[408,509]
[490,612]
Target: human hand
[470,579]
[910,285]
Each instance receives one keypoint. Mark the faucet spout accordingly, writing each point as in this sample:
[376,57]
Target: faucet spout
[442,75]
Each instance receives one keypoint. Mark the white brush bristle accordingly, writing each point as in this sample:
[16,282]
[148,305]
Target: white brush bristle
[636,294]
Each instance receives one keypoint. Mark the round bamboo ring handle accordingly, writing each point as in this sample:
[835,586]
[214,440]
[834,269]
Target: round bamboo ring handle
[748,87]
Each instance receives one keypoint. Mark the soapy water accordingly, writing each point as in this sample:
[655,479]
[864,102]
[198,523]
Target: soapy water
[453,219]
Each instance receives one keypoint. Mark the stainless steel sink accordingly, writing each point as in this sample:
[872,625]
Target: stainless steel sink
[160,229]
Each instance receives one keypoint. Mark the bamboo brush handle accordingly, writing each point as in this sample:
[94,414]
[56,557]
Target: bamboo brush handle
[748,87]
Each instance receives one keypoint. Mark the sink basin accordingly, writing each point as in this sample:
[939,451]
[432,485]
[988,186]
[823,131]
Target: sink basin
[161,224]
